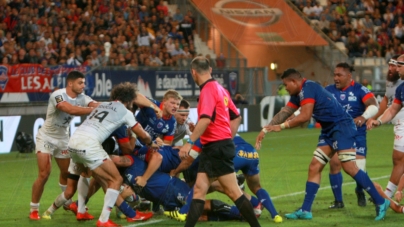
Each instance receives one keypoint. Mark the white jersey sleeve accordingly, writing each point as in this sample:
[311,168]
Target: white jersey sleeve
[390,94]
[104,120]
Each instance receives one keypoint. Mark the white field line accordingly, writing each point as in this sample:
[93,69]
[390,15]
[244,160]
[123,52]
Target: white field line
[145,223]
[323,188]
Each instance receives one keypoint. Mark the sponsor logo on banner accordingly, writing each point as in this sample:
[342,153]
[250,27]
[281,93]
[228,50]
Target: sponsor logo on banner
[10,123]
[233,83]
[264,14]
[179,81]
[3,77]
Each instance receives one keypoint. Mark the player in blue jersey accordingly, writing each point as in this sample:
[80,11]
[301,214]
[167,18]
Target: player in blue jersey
[168,191]
[338,132]
[163,128]
[246,160]
[361,104]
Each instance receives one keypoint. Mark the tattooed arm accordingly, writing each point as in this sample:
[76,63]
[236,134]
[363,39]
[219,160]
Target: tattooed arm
[284,114]
[121,161]
[278,122]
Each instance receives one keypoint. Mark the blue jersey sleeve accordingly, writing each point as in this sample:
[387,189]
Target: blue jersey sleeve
[308,94]
[399,95]
[121,134]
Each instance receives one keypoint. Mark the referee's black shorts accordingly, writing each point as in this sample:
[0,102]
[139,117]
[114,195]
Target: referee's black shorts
[216,158]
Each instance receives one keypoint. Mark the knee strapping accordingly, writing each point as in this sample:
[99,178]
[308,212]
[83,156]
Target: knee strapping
[361,163]
[321,156]
[347,156]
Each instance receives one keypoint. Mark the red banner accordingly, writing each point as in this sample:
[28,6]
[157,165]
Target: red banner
[259,22]
[25,78]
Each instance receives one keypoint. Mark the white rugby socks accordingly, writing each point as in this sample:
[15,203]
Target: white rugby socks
[109,201]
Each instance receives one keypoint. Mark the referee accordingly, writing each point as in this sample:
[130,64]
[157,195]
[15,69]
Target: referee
[218,121]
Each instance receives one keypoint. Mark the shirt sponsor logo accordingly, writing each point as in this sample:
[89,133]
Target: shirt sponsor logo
[352,97]
[59,99]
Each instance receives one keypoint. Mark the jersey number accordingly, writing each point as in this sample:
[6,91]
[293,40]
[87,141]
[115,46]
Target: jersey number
[100,116]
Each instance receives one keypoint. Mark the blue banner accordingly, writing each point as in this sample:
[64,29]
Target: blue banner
[151,83]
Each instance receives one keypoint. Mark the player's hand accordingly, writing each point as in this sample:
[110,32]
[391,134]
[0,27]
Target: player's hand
[191,126]
[359,121]
[159,141]
[140,181]
[173,173]
[398,196]
[183,153]
[371,123]
[159,112]
[260,137]
[273,128]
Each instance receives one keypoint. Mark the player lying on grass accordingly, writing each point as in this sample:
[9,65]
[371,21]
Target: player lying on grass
[168,191]
[246,160]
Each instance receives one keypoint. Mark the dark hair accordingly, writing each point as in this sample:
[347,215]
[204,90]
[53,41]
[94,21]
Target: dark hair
[74,75]
[345,65]
[200,64]
[290,72]
[124,92]
[395,56]
[184,103]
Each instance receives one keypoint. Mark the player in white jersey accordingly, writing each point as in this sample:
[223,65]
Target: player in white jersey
[184,125]
[397,118]
[53,136]
[85,146]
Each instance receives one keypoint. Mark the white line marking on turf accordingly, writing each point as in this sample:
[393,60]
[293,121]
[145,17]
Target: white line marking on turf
[323,188]
[146,223]
[18,160]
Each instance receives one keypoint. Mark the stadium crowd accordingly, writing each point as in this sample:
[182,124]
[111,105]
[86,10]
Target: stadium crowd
[141,33]
[368,28]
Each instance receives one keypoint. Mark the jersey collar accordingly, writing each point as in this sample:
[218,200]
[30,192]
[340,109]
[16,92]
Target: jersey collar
[303,82]
[350,84]
[202,85]
[161,108]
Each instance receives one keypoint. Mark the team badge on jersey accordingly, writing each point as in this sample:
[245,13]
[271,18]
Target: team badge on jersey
[226,101]
[342,96]
[59,99]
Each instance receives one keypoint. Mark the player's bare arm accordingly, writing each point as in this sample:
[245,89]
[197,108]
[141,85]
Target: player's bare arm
[142,101]
[185,164]
[389,114]
[234,124]
[382,107]
[74,110]
[198,131]
[121,161]
[142,134]
[93,104]
[154,163]
[372,108]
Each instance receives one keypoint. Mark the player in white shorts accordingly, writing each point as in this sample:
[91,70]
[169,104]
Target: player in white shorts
[85,145]
[53,136]
[395,114]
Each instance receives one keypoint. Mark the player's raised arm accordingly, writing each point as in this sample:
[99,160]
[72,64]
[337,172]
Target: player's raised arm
[279,118]
[73,110]
[143,101]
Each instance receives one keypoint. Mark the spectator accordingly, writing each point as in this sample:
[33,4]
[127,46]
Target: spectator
[177,50]
[32,57]
[187,28]
[239,99]
[4,61]
[144,37]
[178,16]
[72,61]
[366,84]
[162,8]
[221,61]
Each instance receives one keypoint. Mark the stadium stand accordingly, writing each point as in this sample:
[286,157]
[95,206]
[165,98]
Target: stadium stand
[141,33]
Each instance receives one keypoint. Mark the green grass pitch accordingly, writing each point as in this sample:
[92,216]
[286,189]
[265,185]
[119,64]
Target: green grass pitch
[284,161]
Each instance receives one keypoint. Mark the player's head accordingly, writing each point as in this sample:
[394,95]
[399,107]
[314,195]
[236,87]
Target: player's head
[200,70]
[125,93]
[400,66]
[292,79]
[182,113]
[76,82]
[343,75]
[171,101]
[392,73]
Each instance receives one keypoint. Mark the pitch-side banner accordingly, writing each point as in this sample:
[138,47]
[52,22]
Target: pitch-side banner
[268,22]
[23,83]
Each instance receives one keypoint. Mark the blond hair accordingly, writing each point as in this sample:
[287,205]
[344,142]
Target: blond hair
[170,93]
